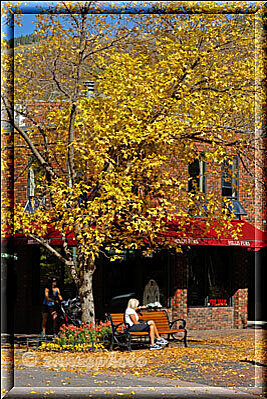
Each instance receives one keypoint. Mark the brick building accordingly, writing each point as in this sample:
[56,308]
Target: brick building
[213,283]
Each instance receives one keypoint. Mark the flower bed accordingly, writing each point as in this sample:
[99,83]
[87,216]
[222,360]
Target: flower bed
[87,337]
[54,346]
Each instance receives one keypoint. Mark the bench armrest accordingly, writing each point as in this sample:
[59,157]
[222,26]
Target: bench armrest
[116,326]
[124,329]
[181,326]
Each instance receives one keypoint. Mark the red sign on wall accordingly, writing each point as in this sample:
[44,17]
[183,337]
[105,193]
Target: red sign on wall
[217,302]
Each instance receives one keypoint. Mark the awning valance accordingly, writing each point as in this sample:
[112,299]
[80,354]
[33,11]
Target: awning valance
[249,235]
[196,233]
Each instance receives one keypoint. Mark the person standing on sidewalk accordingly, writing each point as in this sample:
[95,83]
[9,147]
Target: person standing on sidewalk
[50,304]
[131,318]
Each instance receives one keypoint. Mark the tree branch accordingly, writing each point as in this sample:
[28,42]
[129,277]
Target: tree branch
[45,244]
[57,82]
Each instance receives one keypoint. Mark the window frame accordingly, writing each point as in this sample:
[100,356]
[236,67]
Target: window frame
[233,183]
[201,179]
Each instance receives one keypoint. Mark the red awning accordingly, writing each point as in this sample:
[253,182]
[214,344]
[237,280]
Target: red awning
[196,234]
[249,236]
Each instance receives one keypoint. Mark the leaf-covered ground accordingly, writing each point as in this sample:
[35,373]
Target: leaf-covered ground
[236,359]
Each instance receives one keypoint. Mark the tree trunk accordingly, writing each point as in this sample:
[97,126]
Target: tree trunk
[86,292]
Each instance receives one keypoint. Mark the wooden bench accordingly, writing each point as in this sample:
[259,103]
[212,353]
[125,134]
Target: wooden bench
[124,338]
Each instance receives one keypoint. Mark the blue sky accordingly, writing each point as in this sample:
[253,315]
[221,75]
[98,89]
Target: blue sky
[27,27]
[33,7]
[28,20]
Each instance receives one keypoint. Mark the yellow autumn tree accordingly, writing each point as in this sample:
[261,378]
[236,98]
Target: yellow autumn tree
[113,164]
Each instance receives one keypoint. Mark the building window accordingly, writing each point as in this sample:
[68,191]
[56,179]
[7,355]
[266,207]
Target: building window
[89,87]
[19,114]
[230,178]
[197,184]
[209,277]
[30,182]
[197,178]
[35,186]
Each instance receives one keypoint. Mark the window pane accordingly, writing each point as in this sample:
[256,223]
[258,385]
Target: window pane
[218,273]
[227,191]
[194,172]
[209,275]
[229,182]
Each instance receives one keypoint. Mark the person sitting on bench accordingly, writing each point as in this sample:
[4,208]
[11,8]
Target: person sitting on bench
[131,318]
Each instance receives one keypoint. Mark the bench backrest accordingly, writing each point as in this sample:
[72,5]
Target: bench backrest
[160,318]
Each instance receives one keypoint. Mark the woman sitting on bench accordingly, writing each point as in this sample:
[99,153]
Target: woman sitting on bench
[135,325]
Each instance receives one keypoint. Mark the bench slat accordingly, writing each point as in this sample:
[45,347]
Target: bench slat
[139,333]
[168,331]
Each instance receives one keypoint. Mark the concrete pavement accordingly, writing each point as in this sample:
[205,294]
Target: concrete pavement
[35,383]
[132,392]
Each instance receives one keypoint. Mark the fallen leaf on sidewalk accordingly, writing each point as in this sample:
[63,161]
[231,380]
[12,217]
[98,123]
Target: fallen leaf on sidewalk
[217,361]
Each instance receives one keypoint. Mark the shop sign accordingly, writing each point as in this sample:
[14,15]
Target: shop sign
[217,302]
[239,243]
[32,241]
[186,241]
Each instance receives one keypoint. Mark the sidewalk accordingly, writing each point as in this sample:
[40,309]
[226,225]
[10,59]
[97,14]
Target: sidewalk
[39,383]
[130,392]
[216,364]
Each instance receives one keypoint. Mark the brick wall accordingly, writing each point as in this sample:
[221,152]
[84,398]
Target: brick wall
[240,304]
[205,318]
